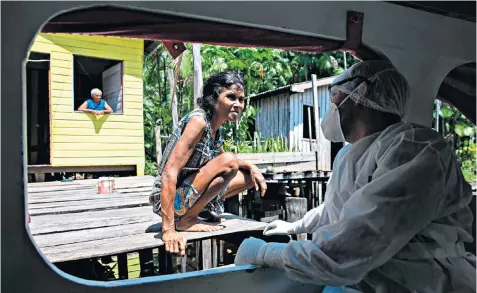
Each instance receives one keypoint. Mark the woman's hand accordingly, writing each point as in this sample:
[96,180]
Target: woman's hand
[258,179]
[174,242]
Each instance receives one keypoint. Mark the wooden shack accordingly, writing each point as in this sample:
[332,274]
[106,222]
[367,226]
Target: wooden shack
[61,70]
[288,111]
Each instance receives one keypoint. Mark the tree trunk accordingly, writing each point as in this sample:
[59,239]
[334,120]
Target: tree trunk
[175,118]
[157,132]
[158,77]
[198,80]
[164,72]
[173,77]
[180,97]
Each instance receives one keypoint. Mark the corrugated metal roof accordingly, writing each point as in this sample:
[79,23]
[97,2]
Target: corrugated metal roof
[150,45]
[271,92]
[293,88]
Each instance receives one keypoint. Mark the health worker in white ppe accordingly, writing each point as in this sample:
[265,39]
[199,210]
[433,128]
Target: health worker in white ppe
[395,216]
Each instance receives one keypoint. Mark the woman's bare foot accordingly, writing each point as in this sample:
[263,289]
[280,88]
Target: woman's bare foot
[196,225]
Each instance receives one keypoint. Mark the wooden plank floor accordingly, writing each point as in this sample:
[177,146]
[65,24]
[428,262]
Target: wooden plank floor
[70,221]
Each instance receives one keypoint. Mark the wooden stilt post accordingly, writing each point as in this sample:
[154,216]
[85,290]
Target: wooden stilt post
[165,261]
[296,208]
[184,264]
[320,192]
[215,253]
[221,251]
[123,266]
[146,262]
[309,130]
[206,254]
[198,255]
[309,194]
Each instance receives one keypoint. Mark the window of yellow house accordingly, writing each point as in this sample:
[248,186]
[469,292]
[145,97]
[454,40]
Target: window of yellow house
[105,74]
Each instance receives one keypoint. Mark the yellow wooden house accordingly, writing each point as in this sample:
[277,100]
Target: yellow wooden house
[61,71]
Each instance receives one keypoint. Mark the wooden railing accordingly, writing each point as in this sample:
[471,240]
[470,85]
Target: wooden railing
[275,162]
[283,162]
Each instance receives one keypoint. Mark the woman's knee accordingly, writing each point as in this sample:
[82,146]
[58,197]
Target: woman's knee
[229,162]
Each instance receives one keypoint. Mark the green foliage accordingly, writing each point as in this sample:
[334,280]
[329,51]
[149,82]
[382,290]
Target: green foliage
[262,69]
[468,165]
[460,133]
[259,145]
[271,144]
[243,131]
[267,145]
[244,128]
[150,168]
[303,65]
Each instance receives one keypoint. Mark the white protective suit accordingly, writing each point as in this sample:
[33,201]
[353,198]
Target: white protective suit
[394,220]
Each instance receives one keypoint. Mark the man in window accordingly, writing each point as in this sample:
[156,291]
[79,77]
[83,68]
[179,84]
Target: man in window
[96,104]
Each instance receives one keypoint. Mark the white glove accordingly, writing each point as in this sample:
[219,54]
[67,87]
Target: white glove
[248,251]
[279,227]
[308,224]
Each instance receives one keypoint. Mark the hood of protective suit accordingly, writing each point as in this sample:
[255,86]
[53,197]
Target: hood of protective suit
[381,86]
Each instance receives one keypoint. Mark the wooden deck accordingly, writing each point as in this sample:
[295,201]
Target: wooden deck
[70,221]
[57,169]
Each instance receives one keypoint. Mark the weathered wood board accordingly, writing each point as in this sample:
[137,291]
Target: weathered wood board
[80,244]
[70,221]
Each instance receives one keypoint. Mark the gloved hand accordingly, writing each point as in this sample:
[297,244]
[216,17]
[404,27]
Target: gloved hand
[248,251]
[279,227]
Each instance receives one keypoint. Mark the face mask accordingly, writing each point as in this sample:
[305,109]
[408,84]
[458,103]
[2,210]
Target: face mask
[331,126]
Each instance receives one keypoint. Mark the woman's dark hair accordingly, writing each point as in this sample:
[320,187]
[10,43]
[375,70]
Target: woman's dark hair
[214,85]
